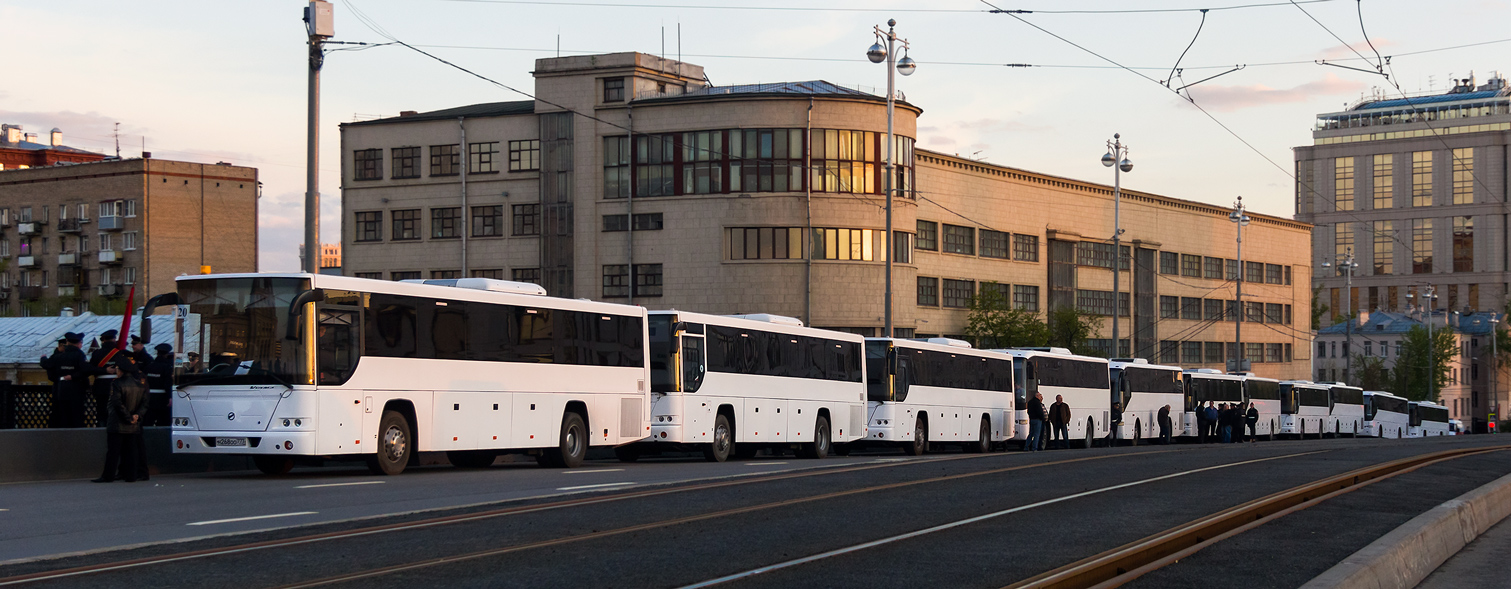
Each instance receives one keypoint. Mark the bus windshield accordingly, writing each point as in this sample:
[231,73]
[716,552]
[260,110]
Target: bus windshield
[243,322]
[1369,407]
[662,344]
[876,371]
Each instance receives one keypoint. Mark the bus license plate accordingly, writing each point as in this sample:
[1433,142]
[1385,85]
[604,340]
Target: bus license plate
[230,442]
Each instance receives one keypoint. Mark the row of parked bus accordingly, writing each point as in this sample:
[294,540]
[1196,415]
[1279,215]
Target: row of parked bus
[300,365]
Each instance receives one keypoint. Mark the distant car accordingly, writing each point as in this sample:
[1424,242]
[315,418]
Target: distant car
[1455,427]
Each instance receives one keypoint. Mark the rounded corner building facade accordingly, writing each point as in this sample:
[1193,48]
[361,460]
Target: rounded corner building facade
[631,178]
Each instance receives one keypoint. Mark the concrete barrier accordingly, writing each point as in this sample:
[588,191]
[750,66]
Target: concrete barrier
[1405,556]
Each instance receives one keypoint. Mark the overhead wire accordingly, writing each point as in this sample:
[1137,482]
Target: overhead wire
[886,9]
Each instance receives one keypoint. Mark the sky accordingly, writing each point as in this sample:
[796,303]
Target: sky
[226,81]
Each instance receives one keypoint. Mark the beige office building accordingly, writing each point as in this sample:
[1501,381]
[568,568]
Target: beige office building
[665,192]
[82,235]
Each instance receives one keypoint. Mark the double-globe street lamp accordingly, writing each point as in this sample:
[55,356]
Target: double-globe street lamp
[1117,159]
[1347,266]
[877,54]
[1239,216]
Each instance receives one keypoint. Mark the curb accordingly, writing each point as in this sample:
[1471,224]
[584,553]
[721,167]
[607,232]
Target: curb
[1404,557]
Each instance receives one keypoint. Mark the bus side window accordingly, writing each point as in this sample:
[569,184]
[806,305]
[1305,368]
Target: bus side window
[693,367]
[1030,379]
[904,377]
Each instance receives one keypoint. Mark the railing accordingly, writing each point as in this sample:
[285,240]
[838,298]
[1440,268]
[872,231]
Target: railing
[68,291]
[29,293]
[68,259]
[27,261]
[69,225]
[29,406]
[111,257]
[29,228]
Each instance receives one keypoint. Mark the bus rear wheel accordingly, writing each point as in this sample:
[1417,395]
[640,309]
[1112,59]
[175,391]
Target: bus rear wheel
[571,446]
[1138,432]
[819,447]
[983,443]
[723,443]
[273,465]
[394,445]
[920,443]
[1090,435]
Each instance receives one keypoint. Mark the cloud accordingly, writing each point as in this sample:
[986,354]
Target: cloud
[1230,98]
[941,141]
[65,120]
[1342,51]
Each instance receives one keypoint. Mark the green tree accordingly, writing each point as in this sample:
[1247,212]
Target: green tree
[1371,374]
[994,323]
[1410,375]
[1069,328]
[1319,308]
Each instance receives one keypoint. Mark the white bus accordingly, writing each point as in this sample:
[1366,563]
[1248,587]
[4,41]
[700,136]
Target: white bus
[1347,409]
[734,384]
[1303,408]
[1206,385]
[1082,380]
[1385,415]
[1427,419]
[1144,388]
[939,390]
[1264,395]
[299,365]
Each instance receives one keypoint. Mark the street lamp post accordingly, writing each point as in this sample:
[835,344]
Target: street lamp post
[877,54]
[1428,301]
[318,18]
[1117,159]
[1495,354]
[1348,267]
[1239,216]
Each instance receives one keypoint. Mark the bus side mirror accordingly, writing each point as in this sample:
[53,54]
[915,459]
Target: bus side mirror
[313,295]
[153,303]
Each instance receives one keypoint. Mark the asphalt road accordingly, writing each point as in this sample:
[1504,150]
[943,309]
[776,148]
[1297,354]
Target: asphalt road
[948,520]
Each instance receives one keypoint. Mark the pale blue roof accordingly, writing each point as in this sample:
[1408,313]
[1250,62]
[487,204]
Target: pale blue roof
[1421,100]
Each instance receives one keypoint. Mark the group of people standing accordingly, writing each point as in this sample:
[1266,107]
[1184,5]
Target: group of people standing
[1226,423]
[1055,419]
[130,388]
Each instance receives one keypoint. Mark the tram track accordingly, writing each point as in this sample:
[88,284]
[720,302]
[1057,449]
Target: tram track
[1121,565]
[93,569]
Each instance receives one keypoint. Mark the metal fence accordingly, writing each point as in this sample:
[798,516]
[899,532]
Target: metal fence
[29,406]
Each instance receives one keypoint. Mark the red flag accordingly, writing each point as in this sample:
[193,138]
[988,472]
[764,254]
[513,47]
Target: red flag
[125,333]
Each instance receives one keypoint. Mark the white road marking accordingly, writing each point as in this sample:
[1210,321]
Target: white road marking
[764,463]
[599,486]
[956,524]
[340,484]
[255,517]
[886,460]
[592,471]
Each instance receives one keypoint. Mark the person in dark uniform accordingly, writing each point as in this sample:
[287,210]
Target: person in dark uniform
[54,418]
[69,370]
[139,352]
[125,450]
[102,378]
[1165,425]
[160,386]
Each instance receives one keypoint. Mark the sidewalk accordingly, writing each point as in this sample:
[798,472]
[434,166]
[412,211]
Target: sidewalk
[1479,565]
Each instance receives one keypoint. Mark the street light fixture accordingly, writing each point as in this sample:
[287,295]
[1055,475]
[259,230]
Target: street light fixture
[1347,265]
[1428,302]
[1239,216]
[1117,153]
[906,66]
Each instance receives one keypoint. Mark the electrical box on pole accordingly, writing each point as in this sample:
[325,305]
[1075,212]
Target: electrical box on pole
[321,19]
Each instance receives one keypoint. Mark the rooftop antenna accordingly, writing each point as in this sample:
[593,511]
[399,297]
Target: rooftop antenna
[558,43]
[679,45]
[118,141]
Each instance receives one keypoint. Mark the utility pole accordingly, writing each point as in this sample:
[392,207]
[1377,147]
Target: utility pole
[1240,217]
[319,19]
[1117,153]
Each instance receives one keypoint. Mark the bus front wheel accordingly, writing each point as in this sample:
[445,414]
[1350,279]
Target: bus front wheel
[920,443]
[1090,425]
[394,445]
[723,443]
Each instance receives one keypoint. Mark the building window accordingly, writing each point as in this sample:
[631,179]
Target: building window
[1272,274]
[445,223]
[445,160]
[1384,248]
[370,275]
[1094,254]
[648,280]
[616,281]
[928,292]
[993,244]
[767,243]
[703,167]
[445,274]
[1025,247]
[957,293]
[493,274]
[130,276]
[1274,313]
[1343,183]
[1463,176]
[851,161]
[616,223]
[482,158]
[397,276]
[1384,181]
[128,241]
[847,244]
[1190,308]
[488,221]
[616,167]
[1253,312]
[1421,246]
[524,156]
[406,225]
[1169,352]
[1253,272]
[1169,307]
[1421,179]
[770,160]
[1095,302]
[104,245]
[959,240]
[1190,265]
[530,275]
[1169,263]
[1272,353]
[1214,309]
[406,162]
[655,165]
[928,236]
[1463,244]
[527,219]
[1211,268]
[1190,352]
[648,221]
[368,164]
[902,245]
[1287,275]
[1214,352]
[1026,298]
[613,89]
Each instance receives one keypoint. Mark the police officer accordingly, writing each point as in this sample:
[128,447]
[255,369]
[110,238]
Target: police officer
[139,352]
[102,378]
[160,386]
[70,373]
